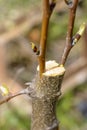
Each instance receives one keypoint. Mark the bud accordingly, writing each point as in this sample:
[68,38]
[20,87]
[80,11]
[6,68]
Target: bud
[78,34]
[4,90]
[35,49]
[81,29]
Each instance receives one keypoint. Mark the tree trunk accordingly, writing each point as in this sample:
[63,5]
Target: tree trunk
[47,91]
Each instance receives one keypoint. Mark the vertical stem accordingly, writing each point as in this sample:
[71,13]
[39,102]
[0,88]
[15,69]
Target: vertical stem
[68,45]
[43,40]
[85,43]
[47,11]
[72,15]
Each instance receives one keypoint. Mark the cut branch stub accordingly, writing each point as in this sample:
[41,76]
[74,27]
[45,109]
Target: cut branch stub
[47,91]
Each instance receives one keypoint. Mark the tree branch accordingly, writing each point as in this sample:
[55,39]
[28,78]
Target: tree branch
[68,45]
[47,11]
[27,91]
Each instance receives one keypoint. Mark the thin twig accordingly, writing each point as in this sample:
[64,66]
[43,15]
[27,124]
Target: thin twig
[85,44]
[69,36]
[47,11]
[10,96]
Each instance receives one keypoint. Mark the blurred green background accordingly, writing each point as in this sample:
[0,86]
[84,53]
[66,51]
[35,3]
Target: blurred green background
[20,62]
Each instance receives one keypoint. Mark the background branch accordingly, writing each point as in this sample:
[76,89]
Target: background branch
[47,11]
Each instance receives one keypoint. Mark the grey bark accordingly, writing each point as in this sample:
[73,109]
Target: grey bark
[47,91]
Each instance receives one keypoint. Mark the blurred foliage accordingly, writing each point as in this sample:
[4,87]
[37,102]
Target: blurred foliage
[68,112]
[17,3]
[13,119]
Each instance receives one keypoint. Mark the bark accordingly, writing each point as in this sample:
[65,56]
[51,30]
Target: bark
[47,91]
